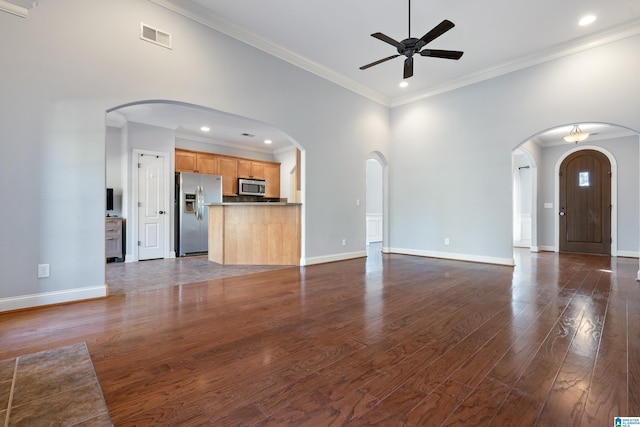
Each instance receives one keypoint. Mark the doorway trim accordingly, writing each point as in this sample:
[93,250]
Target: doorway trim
[135,199]
[614,195]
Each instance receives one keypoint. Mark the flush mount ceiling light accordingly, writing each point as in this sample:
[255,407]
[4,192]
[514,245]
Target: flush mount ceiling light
[403,84]
[205,129]
[576,135]
[587,20]
[267,141]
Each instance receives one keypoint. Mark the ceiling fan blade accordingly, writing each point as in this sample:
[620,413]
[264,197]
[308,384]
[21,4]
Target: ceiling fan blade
[446,54]
[380,61]
[436,32]
[388,39]
[408,67]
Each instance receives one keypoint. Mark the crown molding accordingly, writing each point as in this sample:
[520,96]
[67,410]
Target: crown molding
[561,50]
[205,17]
[17,7]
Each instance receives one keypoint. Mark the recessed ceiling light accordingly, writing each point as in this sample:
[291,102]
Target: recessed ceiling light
[205,129]
[404,84]
[586,20]
[267,141]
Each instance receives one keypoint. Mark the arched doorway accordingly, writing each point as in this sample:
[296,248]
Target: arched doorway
[621,145]
[159,127]
[377,201]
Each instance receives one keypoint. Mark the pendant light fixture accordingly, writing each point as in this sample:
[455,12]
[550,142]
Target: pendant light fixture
[576,135]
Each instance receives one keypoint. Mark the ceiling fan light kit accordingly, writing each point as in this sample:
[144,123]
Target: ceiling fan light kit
[411,46]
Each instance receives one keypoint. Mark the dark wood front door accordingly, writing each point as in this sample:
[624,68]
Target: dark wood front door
[585,203]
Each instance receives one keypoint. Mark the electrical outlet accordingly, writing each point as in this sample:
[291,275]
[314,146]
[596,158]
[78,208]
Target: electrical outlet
[44,270]
[446,241]
[344,242]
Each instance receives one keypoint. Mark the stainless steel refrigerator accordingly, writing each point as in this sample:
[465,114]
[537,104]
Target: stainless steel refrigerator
[193,192]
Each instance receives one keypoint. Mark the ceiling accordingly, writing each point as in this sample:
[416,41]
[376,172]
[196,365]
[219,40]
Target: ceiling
[333,39]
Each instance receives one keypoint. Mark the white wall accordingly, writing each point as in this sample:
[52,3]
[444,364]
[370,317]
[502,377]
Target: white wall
[451,174]
[71,61]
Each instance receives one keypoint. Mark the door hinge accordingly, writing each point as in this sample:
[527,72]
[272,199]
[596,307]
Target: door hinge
[559,173]
[610,174]
[139,165]
[139,204]
[139,243]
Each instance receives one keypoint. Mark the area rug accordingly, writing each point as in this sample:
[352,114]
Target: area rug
[55,387]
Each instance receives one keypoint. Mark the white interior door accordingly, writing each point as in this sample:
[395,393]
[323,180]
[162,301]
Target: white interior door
[151,207]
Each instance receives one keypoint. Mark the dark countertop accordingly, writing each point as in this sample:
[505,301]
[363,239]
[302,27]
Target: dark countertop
[254,204]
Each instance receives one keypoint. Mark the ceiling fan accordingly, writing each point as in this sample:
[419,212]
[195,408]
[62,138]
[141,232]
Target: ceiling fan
[410,46]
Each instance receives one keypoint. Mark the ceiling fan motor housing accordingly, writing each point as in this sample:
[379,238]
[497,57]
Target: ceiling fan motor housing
[410,47]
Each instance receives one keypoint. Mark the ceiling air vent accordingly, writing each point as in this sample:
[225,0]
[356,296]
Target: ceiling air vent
[155,35]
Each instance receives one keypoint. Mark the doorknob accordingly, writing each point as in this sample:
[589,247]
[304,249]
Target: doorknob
[161,212]
[561,213]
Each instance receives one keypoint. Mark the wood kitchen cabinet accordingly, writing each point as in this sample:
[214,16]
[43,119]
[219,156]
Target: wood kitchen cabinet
[185,161]
[207,163]
[250,169]
[231,168]
[228,168]
[272,180]
[191,161]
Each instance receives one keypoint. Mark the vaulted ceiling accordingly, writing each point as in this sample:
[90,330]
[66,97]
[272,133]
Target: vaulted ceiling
[333,39]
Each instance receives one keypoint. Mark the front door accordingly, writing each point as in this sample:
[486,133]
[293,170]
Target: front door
[151,207]
[585,203]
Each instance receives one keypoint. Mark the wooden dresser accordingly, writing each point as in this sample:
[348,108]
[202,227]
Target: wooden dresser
[113,237]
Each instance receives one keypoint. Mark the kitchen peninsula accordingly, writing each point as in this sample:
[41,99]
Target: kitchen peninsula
[258,233]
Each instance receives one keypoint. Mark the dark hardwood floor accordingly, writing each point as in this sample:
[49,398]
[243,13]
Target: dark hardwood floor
[388,340]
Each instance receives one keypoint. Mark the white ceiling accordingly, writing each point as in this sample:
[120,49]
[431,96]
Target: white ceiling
[332,39]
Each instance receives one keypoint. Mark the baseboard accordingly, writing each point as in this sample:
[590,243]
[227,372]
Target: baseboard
[547,248]
[50,298]
[332,258]
[454,256]
[629,254]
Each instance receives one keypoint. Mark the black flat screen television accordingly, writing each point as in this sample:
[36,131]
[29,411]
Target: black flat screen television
[109,199]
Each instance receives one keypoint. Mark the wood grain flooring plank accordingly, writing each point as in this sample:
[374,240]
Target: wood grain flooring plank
[438,405]
[568,395]
[390,340]
[608,394]
[480,406]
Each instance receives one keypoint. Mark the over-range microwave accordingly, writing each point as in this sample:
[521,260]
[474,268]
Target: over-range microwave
[251,187]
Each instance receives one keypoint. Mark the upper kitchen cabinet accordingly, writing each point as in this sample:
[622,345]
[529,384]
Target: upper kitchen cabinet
[191,161]
[272,180]
[185,161]
[228,168]
[250,169]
